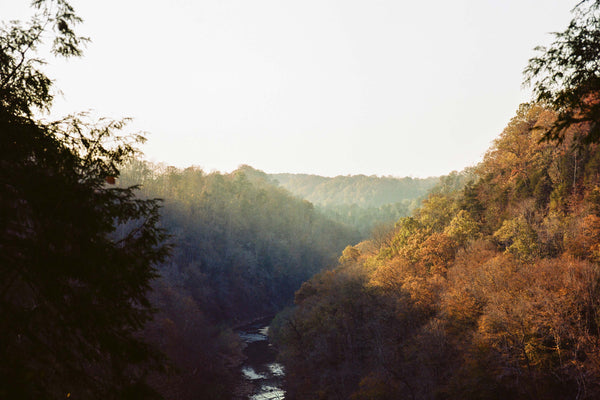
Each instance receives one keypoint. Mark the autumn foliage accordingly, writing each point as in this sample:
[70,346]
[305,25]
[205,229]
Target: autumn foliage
[490,291]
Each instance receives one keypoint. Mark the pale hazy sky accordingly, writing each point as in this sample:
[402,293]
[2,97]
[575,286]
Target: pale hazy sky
[402,88]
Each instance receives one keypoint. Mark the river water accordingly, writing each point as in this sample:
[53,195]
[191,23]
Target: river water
[262,375]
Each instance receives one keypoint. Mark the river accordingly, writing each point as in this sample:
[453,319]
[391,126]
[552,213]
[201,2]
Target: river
[262,375]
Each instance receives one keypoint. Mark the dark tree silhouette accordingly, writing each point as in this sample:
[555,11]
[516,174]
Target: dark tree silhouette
[76,254]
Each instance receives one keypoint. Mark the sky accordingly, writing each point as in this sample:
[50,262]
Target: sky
[326,87]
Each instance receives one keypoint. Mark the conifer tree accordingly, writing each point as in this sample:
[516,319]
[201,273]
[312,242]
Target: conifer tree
[76,253]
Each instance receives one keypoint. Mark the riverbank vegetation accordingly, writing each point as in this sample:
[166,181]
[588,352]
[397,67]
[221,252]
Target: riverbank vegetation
[243,246]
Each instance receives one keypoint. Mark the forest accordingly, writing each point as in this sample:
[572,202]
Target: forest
[126,279]
[364,191]
[241,248]
[362,202]
[490,291]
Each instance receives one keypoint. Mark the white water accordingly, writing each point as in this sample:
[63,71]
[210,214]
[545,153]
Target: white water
[261,369]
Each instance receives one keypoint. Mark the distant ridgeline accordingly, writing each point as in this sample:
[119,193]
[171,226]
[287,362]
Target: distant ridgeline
[364,191]
[358,201]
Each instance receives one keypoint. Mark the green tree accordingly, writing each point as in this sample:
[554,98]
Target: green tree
[76,254]
[462,228]
[519,238]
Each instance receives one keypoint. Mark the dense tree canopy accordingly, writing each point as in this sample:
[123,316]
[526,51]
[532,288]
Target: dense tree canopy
[487,292]
[364,191]
[242,247]
[361,202]
[76,255]
[251,241]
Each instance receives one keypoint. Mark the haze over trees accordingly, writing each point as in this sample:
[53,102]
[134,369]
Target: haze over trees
[490,289]
[364,191]
[361,202]
[79,254]
[243,246]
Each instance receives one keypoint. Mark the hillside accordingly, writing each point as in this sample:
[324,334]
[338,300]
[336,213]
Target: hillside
[488,292]
[364,191]
[241,248]
[359,202]
[122,279]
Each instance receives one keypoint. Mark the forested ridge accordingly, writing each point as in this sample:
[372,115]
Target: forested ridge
[362,190]
[123,279]
[241,248]
[253,242]
[491,291]
[487,292]
[361,202]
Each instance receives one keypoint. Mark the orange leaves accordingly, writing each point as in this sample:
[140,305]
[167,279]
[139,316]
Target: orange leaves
[391,275]
[517,149]
[535,316]
[436,253]
[421,274]
[465,295]
[583,238]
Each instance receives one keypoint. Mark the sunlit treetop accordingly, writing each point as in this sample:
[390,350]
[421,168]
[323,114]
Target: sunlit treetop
[566,75]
